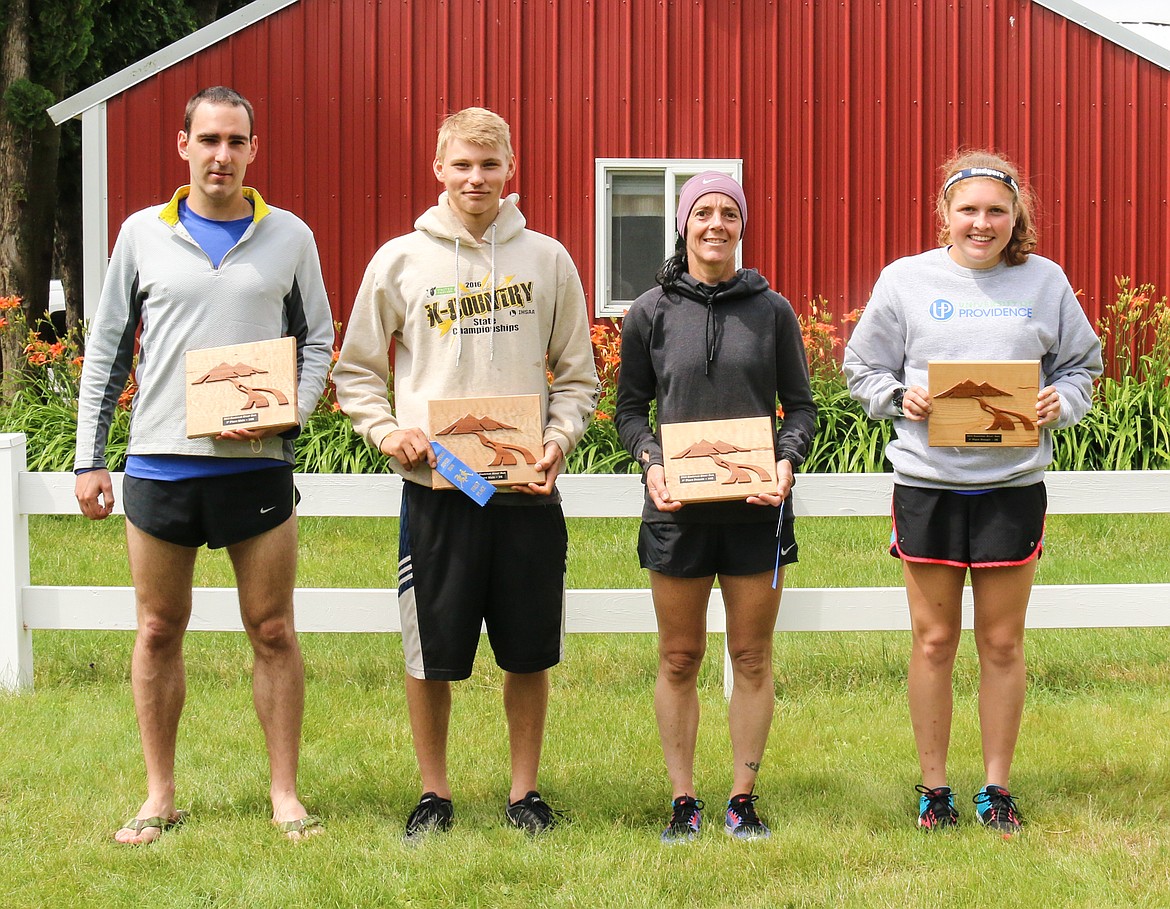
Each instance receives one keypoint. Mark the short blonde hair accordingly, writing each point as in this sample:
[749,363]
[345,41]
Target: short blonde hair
[478,126]
[1023,240]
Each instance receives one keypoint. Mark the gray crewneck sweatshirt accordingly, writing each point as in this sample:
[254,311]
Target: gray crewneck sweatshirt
[927,307]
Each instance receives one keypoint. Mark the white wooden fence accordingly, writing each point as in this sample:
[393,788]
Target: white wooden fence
[25,608]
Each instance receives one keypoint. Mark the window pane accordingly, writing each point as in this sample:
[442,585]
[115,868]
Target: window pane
[636,233]
[679,179]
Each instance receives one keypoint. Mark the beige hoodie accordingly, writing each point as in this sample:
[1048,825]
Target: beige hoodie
[467,319]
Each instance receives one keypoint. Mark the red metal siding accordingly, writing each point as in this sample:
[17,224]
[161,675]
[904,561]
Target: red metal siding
[841,111]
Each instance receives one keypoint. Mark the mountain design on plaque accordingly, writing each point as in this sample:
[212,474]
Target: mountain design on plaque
[737,472]
[1001,420]
[233,373]
[505,453]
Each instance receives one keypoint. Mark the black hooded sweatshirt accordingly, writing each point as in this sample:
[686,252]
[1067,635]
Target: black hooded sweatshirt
[713,353]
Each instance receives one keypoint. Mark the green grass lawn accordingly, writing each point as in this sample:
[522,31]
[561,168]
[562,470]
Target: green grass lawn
[1091,772]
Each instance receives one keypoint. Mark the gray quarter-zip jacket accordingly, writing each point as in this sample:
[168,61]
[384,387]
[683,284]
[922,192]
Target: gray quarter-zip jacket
[268,286]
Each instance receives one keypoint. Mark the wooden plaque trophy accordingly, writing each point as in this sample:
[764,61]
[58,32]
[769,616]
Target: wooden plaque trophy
[498,437]
[984,403]
[243,386]
[719,460]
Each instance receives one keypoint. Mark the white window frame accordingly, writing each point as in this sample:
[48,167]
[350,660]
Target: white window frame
[671,168]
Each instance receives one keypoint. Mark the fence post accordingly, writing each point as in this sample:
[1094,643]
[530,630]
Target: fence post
[728,675]
[16,653]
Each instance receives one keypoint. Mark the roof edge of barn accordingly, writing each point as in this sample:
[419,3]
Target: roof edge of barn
[78,104]
[1112,31]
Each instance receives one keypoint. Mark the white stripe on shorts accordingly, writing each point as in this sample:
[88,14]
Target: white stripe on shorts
[408,611]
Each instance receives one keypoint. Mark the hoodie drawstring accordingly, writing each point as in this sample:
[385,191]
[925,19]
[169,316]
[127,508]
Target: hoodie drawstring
[709,335]
[459,307]
[495,284]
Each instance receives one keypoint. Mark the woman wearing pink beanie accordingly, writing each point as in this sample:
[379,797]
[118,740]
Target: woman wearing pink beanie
[713,342]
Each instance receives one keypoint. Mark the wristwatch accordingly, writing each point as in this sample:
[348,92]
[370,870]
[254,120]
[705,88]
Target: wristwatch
[899,396]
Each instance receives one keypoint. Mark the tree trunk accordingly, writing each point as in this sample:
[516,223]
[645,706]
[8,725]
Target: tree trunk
[15,150]
[68,248]
[29,145]
[206,11]
[40,214]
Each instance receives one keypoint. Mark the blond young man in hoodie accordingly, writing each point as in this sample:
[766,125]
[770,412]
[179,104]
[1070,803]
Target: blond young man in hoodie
[475,305]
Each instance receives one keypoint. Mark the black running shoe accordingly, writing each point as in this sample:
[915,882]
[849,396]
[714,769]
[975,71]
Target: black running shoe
[936,808]
[430,814]
[685,820]
[997,810]
[742,822]
[532,814]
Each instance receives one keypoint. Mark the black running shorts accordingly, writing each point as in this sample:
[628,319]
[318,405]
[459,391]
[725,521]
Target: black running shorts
[219,511]
[991,529]
[703,550]
[462,566]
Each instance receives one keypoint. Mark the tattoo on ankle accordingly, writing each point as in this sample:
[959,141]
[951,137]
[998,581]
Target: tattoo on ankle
[753,766]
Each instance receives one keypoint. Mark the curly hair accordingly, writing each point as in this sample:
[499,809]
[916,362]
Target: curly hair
[675,266]
[1024,238]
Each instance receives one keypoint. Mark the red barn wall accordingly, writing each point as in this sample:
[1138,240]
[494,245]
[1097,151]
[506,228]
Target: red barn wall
[841,112]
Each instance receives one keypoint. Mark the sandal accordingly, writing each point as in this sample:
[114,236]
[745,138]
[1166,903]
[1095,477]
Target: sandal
[138,824]
[301,828]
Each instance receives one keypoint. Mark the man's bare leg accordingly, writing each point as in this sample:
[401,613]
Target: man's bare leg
[162,575]
[429,703]
[526,706]
[265,567]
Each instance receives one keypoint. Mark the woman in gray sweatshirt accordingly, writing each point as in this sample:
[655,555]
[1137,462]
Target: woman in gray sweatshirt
[984,295]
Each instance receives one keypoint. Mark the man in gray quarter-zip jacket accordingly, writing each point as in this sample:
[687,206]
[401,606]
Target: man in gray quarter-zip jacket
[214,266]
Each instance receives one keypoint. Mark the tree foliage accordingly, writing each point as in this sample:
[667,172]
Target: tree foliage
[25,102]
[50,49]
[61,33]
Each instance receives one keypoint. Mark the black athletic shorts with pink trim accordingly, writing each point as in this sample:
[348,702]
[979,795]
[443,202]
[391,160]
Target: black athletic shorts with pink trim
[461,566]
[995,528]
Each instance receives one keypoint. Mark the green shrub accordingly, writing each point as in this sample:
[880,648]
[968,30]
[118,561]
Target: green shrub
[847,441]
[328,444]
[600,451]
[1128,427]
